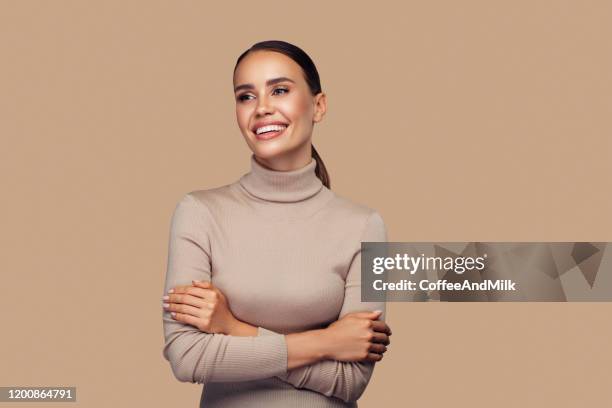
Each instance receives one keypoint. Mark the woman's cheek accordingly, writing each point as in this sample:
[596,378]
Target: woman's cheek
[242,115]
[295,109]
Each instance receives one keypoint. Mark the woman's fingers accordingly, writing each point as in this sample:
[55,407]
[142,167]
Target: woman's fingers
[195,291]
[202,284]
[378,348]
[381,338]
[367,315]
[382,327]
[185,299]
[184,309]
[374,357]
[188,319]
[178,289]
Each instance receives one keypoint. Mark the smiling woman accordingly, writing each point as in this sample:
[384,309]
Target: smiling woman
[262,296]
[273,89]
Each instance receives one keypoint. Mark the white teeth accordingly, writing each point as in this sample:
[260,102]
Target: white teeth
[270,128]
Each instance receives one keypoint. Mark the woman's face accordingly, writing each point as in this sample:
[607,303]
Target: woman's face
[275,108]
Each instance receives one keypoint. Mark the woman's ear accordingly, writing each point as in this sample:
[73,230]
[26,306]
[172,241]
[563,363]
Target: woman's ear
[320,107]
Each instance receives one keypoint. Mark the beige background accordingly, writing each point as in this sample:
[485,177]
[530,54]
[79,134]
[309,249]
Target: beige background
[464,121]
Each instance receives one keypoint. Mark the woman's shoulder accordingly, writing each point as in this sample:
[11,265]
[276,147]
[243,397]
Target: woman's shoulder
[209,196]
[206,198]
[359,218]
[352,208]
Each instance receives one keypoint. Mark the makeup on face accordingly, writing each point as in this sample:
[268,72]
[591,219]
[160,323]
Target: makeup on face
[265,129]
[274,104]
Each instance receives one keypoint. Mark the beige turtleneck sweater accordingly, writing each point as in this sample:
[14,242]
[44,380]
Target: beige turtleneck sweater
[285,251]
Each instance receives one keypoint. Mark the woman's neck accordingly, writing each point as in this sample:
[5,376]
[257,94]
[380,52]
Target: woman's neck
[281,186]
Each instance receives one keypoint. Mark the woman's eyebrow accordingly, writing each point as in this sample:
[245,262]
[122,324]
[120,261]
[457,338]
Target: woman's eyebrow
[268,83]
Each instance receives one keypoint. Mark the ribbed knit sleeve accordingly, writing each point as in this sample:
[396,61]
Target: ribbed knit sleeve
[344,380]
[199,357]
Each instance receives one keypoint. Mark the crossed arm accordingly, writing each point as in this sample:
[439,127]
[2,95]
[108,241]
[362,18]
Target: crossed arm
[200,357]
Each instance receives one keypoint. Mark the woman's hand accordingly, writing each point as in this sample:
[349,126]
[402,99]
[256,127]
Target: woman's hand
[201,305]
[358,336]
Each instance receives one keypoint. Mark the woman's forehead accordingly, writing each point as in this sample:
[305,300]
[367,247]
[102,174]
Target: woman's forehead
[264,65]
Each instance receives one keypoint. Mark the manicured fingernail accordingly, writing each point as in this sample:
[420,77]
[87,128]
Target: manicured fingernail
[195,281]
[166,297]
[166,305]
[378,311]
[173,314]
[171,291]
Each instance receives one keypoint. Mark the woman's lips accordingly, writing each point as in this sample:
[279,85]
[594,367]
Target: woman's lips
[270,135]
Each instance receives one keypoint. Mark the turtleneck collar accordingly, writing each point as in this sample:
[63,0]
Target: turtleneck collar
[281,186]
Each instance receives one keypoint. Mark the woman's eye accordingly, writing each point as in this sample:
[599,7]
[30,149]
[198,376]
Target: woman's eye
[283,90]
[244,97]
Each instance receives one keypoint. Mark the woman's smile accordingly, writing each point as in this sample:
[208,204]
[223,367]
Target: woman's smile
[269,131]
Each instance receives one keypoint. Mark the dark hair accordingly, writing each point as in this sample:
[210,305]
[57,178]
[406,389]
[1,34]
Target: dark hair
[312,79]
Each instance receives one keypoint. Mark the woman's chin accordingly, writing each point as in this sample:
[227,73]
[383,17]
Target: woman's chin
[269,151]
[270,148]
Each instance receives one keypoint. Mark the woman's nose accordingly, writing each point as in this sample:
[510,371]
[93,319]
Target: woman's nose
[264,107]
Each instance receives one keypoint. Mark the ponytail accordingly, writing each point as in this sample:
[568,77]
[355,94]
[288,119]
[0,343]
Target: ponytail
[320,169]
